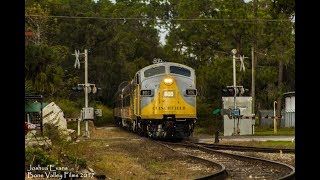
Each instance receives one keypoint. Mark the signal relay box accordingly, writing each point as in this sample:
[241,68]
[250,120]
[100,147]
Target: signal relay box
[88,113]
[244,108]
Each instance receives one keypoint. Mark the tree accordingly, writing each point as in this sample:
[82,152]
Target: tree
[36,24]
[42,68]
[284,42]
[119,44]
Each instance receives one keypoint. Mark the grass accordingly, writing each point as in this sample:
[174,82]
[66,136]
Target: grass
[269,144]
[209,130]
[118,165]
[270,132]
[202,130]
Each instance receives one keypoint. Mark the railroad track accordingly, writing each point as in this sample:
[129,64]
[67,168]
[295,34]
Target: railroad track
[237,166]
[220,170]
[245,148]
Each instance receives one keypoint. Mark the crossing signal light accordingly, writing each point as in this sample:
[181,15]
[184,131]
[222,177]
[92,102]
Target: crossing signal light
[245,92]
[230,91]
[93,89]
[77,88]
[224,92]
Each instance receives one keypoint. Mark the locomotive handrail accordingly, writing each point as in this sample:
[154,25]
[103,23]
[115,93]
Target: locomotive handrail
[127,82]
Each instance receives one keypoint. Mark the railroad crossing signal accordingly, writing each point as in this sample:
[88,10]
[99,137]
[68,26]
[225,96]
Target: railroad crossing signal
[86,86]
[91,88]
[230,91]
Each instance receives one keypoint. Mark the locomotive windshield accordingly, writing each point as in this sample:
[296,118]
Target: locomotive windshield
[154,71]
[180,70]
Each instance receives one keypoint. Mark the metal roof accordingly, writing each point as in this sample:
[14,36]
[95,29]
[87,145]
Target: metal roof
[291,93]
[34,106]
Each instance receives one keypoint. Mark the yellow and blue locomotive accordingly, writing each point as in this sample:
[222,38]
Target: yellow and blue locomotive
[160,102]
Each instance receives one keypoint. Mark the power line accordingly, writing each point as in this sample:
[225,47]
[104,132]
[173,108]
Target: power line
[157,19]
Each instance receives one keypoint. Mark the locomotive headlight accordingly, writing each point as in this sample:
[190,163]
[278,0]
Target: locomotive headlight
[168,81]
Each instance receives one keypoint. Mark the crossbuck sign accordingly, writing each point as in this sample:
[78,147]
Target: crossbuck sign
[77,62]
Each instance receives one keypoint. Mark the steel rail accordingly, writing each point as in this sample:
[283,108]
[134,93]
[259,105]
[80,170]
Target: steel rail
[220,174]
[246,148]
[290,175]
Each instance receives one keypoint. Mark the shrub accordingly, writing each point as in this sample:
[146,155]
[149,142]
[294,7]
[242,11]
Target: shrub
[54,134]
[107,116]
[73,160]
[37,156]
[208,122]
[70,108]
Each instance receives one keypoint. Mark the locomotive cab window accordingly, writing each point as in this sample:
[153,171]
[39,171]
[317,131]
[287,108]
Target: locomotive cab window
[180,70]
[154,71]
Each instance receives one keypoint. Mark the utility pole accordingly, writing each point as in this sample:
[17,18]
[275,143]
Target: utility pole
[86,76]
[86,85]
[234,52]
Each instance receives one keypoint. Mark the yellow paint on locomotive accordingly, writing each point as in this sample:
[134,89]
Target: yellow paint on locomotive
[168,105]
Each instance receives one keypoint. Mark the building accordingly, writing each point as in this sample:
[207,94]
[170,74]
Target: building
[289,111]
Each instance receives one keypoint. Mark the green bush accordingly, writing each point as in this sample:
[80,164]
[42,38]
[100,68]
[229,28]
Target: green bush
[54,134]
[37,156]
[207,122]
[76,160]
[107,116]
[70,108]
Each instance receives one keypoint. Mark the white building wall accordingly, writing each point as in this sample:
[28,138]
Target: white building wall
[290,109]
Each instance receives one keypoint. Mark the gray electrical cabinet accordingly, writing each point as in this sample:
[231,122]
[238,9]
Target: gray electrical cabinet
[88,113]
[245,123]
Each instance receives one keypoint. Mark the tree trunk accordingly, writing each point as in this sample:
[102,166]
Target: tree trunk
[253,76]
[279,99]
[254,60]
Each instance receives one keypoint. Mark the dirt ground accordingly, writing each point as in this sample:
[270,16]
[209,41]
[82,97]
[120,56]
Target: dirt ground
[119,154]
